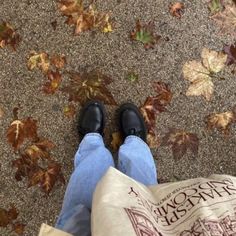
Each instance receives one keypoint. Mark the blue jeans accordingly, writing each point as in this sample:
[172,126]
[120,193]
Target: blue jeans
[92,160]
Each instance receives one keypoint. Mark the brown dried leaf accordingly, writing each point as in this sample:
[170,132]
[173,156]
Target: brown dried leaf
[8,36]
[40,149]
[69,111]
[227,19]
[16,134]
[51,175]
[221,121]
[89,86]
[6,217]
[39,60]
[176,9]
[25,166]
[117,141]
[181,141]
[53,83]
[18,228]
[58,61]
[84,18]
[144,33]
[155,105]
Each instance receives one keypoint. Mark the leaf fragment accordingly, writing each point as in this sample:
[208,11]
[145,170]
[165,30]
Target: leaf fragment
[180,142]
[89,86]
[132,77]
[230,51]
[6,217]
[117,140]
[144,33]
[177,9]
[58,61]
[8,36]
[18,228]
[201,74]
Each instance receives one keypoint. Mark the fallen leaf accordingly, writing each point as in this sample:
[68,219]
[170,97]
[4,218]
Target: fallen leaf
[221,121]
[39,60]
[6,217]
[51,175]
[40,149]
[230,50]
[144,33]
[69,111]
[226,19]
[54,24]
[215,6]
[180,141]
[20,130]
[176,9]
[132,77]
[117,141]
[156,104]
[58,61]
[53,83]
[8,36]
[25,166]
[18,228]
[84,18]
[201,74]
[89,86]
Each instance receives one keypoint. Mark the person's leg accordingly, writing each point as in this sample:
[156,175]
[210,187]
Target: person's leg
[136,161]
[135,157]
[92,160]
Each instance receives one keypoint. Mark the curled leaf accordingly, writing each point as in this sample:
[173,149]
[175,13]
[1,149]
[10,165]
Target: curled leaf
[221,121]
[39,60]
[176,9]
[8,36]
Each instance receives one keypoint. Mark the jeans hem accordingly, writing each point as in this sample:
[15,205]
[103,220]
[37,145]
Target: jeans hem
[138,138]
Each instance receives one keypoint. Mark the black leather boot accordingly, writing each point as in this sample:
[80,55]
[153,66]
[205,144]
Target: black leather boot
[131,121]
[92,118]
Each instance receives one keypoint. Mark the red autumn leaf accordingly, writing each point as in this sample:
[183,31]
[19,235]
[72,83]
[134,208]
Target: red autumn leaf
[20,130]
[8,36]
[176,9]
[144,33]
[18,228]
[88,86]
[53,83]
[181,141]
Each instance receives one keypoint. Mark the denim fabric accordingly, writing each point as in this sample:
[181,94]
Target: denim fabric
[92,160]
